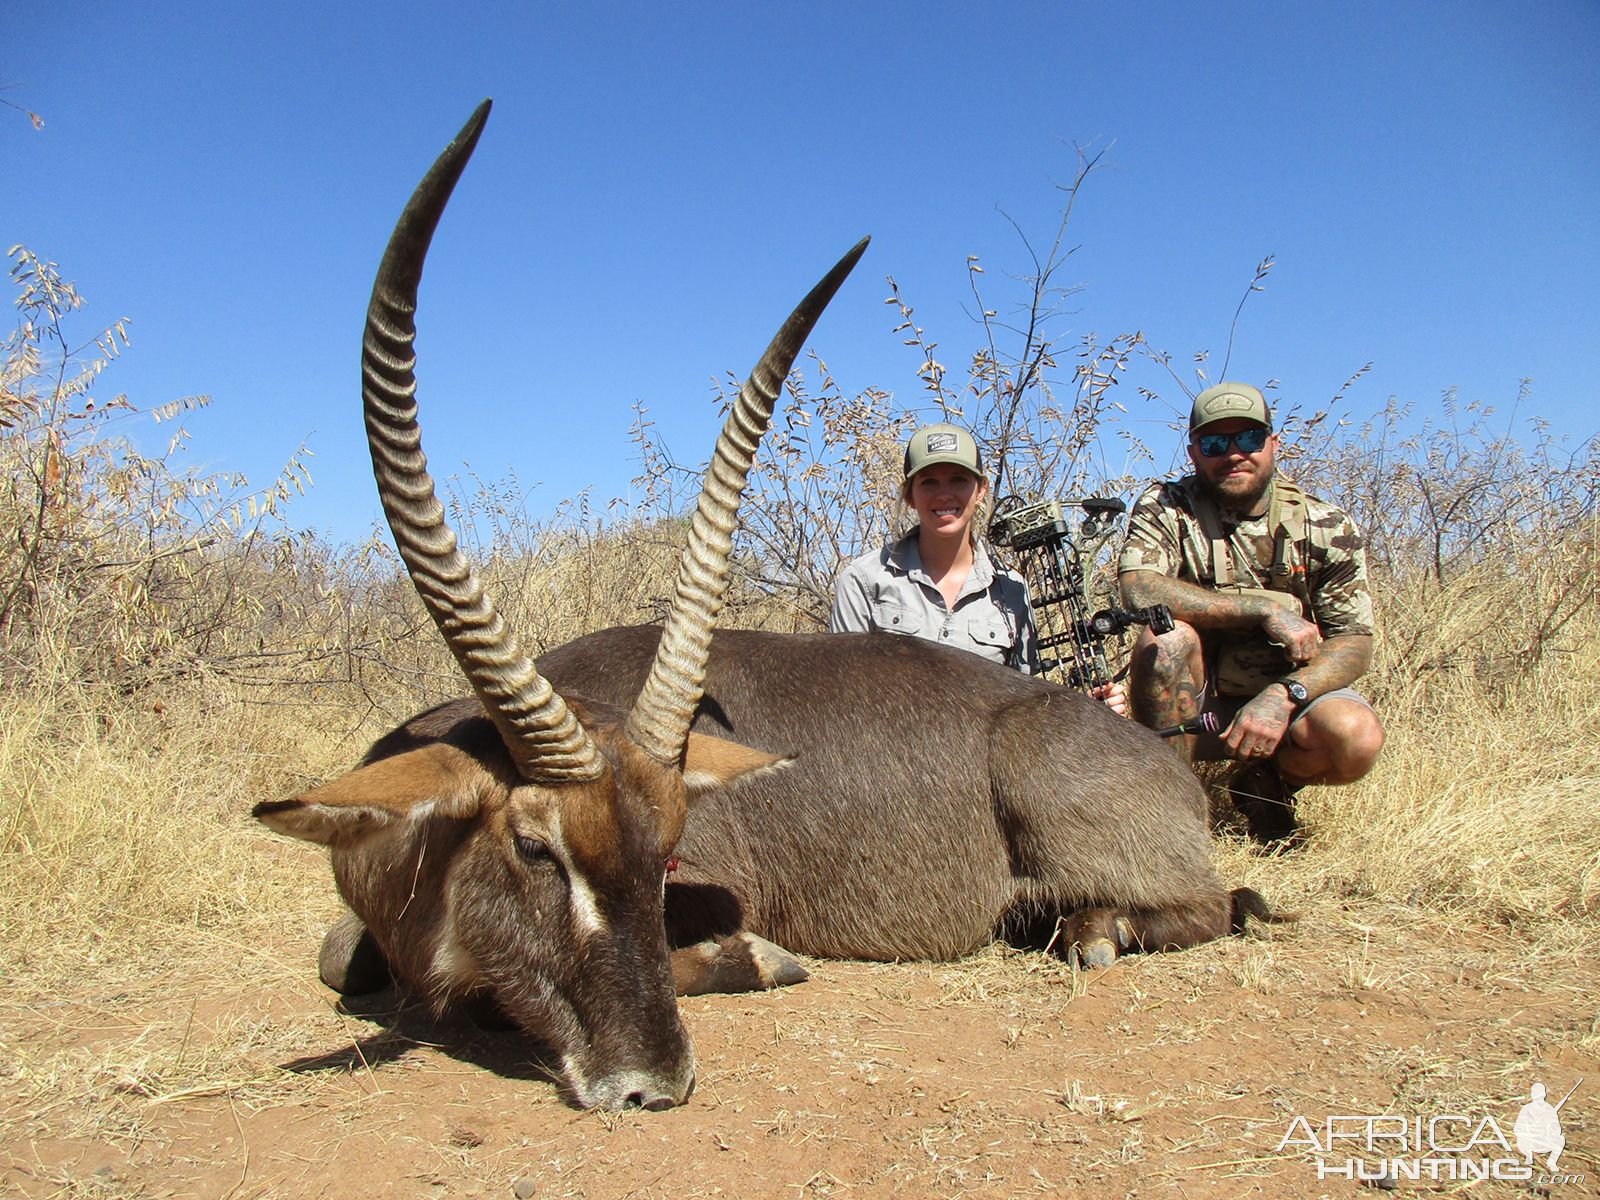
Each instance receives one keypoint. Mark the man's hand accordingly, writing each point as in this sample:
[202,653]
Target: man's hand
[1298,636]
[1113,695]
[1260,725]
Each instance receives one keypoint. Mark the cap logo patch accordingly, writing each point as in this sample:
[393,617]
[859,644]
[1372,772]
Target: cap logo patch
[941,443]
[1230,402]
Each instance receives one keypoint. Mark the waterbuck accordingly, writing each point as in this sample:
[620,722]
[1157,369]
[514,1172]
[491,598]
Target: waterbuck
[641,810]
[520,857]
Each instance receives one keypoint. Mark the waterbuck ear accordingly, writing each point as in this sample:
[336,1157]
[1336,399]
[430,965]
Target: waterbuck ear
[710,763]
[432,779]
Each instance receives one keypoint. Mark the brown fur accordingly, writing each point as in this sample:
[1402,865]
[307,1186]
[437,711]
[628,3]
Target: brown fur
[935,800]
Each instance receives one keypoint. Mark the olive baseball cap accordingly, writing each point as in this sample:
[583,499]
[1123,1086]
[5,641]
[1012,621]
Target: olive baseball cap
[942,444]
[1226,400]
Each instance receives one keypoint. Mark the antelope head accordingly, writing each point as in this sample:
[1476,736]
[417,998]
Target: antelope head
[516,849]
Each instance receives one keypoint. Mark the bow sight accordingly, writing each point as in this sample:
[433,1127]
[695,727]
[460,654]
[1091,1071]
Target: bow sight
[1059,564]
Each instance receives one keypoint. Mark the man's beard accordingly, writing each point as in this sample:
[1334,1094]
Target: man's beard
[1236,495]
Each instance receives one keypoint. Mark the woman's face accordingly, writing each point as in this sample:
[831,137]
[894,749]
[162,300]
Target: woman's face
[946,499]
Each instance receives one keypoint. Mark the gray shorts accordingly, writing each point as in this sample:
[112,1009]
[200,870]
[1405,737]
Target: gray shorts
[1209,747]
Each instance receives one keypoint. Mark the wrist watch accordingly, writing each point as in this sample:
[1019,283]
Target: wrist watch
[1298,696]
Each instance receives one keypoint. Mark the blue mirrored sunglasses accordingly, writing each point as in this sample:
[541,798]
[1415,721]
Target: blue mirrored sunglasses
[1215,445]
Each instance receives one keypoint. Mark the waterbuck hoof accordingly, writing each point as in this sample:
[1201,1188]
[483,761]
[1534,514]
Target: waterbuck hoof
[1097,954]
[350,962]
[1245,903]
[741,962]
[775,965]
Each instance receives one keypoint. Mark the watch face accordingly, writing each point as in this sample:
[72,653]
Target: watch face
[1297,691]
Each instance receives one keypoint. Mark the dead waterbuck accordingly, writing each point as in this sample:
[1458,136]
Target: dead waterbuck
[520,856]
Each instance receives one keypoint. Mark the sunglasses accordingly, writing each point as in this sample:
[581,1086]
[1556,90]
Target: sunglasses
[1215,445]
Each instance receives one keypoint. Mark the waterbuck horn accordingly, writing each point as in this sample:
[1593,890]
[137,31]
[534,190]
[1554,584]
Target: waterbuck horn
[659,722]
[540,732]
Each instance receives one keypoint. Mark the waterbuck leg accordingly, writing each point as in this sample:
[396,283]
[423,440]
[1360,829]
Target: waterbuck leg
[741,962]
[1096,937]
[1181,925]
[350,962]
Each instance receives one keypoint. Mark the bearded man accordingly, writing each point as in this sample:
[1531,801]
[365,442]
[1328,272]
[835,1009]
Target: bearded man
[1272,620]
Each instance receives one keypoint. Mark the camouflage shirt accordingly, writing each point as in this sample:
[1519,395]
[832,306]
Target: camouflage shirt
[1328,567]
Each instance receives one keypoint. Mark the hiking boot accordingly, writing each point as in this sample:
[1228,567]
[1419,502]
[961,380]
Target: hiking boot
[1267,804]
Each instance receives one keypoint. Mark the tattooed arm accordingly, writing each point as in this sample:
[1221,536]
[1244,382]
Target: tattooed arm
[1206,609]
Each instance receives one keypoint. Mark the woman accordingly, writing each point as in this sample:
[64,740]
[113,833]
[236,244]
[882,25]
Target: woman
[938,581]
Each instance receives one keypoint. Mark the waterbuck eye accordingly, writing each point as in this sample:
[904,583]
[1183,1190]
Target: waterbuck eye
[532,849]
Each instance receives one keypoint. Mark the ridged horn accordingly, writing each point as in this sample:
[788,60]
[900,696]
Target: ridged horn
[540,732]
[659,721]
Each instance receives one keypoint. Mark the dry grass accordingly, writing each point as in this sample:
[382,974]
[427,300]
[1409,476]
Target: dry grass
[142,906]
[1476,806]
[154,941]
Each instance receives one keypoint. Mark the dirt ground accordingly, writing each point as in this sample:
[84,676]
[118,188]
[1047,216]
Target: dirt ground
[1005,1075]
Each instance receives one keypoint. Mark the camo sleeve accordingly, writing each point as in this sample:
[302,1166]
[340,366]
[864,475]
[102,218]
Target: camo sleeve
[1337,572]
[1154,541]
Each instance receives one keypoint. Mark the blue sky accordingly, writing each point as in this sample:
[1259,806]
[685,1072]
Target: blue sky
[660,182]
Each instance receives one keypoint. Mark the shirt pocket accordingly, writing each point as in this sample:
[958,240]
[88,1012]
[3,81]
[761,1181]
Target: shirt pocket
[992,634]
[890,614]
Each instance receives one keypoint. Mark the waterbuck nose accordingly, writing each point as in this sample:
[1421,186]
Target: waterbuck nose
[653,1103]
[635,1089]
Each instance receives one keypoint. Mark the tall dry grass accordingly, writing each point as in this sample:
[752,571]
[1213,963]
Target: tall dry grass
[170,655]
[1480,805]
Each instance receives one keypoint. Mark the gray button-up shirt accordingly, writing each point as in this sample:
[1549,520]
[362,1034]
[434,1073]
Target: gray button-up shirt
[889,591]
